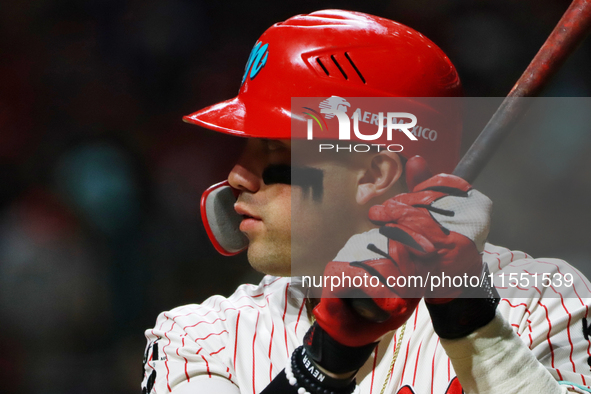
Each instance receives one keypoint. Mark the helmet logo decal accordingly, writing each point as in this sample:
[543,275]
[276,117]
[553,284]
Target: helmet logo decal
[256,60]
[334,103]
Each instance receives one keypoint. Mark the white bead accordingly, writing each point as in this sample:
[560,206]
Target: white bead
[289,375]
[302,390]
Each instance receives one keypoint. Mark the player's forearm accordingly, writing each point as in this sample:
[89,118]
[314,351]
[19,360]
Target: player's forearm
[494,360]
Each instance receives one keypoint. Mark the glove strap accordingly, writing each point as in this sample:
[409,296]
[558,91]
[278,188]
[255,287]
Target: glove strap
[462,316]
[333,356]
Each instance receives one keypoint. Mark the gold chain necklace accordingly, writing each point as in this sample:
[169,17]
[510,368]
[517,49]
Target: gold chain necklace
[396,351]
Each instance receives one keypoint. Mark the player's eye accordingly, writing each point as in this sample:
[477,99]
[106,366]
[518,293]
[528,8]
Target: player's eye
[277,152]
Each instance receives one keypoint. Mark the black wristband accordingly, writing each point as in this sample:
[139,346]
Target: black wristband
[462,316]
[332,355]
[313,380]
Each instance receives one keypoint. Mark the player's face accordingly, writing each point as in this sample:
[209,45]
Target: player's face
[320,226]
[266,208]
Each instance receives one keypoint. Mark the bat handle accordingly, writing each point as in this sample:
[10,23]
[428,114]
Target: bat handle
[570,31]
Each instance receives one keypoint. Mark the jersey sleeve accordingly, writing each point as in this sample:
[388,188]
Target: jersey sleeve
[547,304]
[187,344]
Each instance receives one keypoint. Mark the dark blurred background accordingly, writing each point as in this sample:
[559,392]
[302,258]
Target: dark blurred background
[100,180]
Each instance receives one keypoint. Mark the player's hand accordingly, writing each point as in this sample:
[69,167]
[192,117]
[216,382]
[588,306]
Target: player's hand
[368,259]
[440,227]
[445,217]
[342,339]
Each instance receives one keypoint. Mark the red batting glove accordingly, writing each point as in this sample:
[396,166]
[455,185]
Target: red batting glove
[440,227]
[335,312]
[449,216]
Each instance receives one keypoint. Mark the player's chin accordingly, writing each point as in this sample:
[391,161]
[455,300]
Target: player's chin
[269,259]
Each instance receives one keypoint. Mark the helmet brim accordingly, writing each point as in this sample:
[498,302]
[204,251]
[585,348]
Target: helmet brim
[258,119]
[226,117]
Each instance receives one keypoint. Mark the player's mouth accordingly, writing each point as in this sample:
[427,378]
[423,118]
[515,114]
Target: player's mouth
[250,221]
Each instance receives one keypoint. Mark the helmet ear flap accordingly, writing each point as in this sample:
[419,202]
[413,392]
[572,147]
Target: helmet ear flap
[221,221]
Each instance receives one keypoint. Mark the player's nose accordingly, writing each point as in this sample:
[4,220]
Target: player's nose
[247,173]
[244,179]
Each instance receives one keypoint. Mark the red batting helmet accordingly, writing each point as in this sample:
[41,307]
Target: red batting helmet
[337,53]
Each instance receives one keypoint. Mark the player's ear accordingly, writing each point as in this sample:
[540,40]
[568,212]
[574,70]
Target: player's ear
[382,173]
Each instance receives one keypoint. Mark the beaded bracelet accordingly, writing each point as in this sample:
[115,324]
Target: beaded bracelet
[303,373]
[292,380]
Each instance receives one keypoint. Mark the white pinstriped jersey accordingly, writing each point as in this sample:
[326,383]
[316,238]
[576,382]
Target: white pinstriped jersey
[248,337]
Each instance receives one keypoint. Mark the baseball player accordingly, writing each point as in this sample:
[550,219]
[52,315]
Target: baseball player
[381,214]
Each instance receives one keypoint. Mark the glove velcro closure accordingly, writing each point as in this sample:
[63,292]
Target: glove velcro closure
[462,316]
[333,356]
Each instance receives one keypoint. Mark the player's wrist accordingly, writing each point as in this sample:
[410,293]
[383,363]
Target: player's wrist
[308,376]
[332,356]
[459,317]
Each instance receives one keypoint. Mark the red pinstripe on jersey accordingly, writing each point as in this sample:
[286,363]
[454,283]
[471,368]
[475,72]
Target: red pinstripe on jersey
[186,361]
[550,324]
[433,366]
[207,366]
[526,310]
[516,305]
[146,374]
[236,338]
[570,341]
[417,363]
[254,353]
[405,359]
[283,318]
[576,271]
[498,259]
[531,341]
[270,347]
[217,351]
[273,281]
[548,335]
[243,316]
[166,362]
[395,340]
[203,322]
[299,315]
[373,368]
[229,374]
[208,335]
